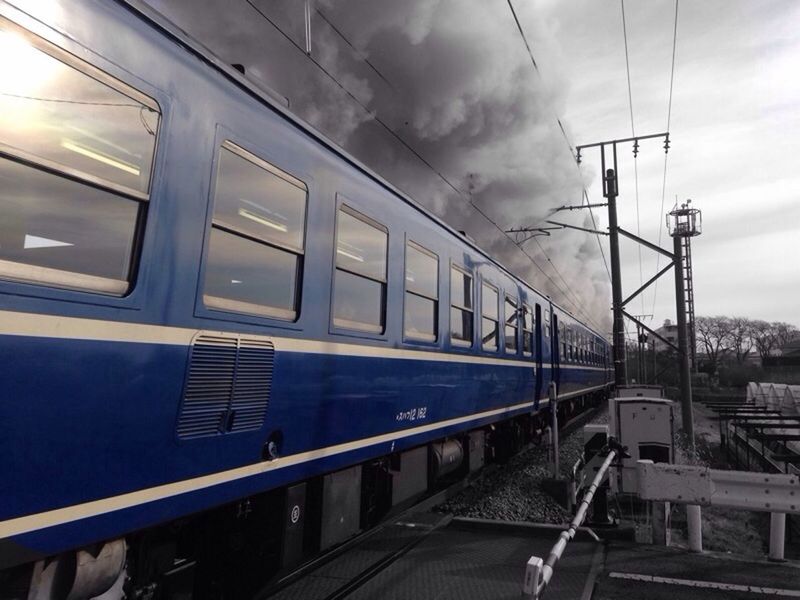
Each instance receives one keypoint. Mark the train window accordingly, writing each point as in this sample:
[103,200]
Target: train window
[76,151]
[359,298]
[512,324]
[547,322]
[58,111]
[422,294]
[461,306]
[490,321]
[563,335]
[527,330]
[257,237]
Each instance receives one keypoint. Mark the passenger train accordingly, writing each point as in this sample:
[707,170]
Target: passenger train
[222,338]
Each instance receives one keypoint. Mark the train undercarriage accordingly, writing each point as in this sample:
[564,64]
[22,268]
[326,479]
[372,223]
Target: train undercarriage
[235,550]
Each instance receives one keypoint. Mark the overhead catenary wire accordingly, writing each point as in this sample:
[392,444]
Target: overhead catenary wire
[561,128]
[569,145]
[666,155]
[578,307]
[635,152]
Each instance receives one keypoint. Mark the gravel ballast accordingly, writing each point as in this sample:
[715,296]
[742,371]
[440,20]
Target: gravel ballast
[512,491]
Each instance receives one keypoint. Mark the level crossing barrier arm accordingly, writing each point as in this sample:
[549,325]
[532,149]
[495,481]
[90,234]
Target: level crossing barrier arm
[538,572]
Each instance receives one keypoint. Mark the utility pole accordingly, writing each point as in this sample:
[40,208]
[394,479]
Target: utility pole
[684,223]
[610,192]
[618,328]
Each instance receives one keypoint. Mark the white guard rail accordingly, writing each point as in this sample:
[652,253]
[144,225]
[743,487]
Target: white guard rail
[700,486]
[747,490]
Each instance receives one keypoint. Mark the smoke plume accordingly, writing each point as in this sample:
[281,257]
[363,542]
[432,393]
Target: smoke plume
[441,98]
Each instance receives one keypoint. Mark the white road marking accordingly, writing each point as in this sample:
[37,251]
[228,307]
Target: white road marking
[710,585]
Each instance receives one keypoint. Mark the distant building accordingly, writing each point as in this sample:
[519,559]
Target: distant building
[668,331]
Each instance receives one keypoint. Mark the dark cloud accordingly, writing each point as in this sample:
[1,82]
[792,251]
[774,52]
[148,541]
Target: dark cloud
[429,81]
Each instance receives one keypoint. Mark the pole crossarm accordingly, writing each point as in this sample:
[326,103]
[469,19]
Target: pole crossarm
[623,140]
[647,244]
[567,226]
[613,143]
[577,206]
[646,328]
[646,285]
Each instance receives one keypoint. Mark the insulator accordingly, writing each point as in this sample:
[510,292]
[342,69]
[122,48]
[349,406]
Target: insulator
[635,148]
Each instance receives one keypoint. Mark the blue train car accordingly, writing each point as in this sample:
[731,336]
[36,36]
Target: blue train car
[210,315]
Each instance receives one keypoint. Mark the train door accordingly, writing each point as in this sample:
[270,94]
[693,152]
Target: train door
[538,332]
[554,351]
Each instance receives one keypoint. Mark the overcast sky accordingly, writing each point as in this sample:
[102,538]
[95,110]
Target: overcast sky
[441,98]
[734,130]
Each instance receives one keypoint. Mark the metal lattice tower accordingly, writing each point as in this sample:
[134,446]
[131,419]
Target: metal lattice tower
[685,223]
[688,287]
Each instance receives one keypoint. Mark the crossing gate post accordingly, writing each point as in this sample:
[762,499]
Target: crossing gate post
[777,536]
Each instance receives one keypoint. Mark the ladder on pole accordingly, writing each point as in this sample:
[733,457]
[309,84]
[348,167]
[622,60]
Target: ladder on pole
[688,286]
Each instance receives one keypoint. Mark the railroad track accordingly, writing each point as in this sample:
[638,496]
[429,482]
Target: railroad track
[410,531]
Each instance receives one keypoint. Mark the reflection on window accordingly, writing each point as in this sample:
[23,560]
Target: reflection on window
[258,200]
[73,117]
[60,116]
[461,317]
[257,237]
[247,277]
[511,325]
[489,322]
[547,323]
[359,289]
[422,294]
[527,330]
[61,232]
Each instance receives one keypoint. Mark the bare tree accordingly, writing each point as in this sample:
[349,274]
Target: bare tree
[784,333]
[713,333]
[763,337]
[740,339]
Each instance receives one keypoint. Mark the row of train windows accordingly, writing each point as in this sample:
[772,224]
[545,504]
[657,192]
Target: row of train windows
[76,154]
[578,347]
[255,257]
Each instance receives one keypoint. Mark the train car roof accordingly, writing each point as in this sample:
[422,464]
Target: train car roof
[272,98]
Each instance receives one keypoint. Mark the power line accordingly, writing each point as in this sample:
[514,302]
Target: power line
[560,276]
[635,147]
[597,236]
[578,306]
[411,149]
[524,39]
[561,128]
[572,152]
[356,50]
[664,181]
[355,98]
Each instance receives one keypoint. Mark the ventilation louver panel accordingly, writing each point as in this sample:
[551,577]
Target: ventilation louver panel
[228,386]
[252,385]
